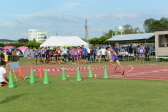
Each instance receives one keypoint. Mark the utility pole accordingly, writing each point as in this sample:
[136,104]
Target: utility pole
[86,30]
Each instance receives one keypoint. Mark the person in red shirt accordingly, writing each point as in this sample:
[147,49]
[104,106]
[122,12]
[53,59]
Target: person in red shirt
[79,52]
[58,55]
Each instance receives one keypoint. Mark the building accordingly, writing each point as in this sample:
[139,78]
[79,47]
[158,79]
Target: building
[6,41]
[161,42]
[38,36]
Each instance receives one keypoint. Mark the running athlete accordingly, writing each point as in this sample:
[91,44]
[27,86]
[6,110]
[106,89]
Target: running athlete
[36,55]
[29,56]
[141,52]
[79,50]
[75,55]
[43,54]
[59,55]
[114,59]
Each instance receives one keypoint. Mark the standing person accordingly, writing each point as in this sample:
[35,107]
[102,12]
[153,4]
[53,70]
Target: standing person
[141,52]
[43,53]
[75,55]
[92,53]
[147,52]
[39,54]
[64,54]
[79,50]
[114,59]
[88,54]
[59,55]
[48,55]
[84,52]
[2,58]
[3,77]
[36,55]
[72,53]
[55,55]
[98,52]
[51,56]
[29,56]
[103,53]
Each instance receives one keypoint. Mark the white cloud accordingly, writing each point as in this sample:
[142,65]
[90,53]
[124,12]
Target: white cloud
[125,16]
[20,21]
[8,24]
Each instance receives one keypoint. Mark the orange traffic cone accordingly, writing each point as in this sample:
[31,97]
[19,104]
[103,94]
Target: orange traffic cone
[41,72]
[20,73]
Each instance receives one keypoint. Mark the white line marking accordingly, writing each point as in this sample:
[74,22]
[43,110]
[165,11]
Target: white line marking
[131,69]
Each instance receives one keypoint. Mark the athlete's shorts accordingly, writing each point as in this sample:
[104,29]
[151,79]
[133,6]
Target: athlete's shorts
[58,56]
[83,56]
[43,55]
[114,58]
[103,56]
[51,55]
[98,56]
[79,55]
[35,56]
[28,55]
[141,54]
[4,83]
[75,56]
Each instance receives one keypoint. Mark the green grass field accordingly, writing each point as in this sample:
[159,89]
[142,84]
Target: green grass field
[89,95]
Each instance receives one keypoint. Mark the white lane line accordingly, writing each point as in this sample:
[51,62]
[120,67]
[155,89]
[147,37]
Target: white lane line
[131,69]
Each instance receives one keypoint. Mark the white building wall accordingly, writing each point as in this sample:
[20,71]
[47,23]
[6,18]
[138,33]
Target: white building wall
[39,36]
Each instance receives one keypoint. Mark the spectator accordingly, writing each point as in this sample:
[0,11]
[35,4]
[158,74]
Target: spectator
[147,52]
[98,52]
[3,78]
[84,52]
[88,51]
[103,53]
[2,58]
[92,53]
[64,54]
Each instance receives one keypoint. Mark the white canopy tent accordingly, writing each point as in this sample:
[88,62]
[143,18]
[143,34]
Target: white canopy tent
[64,41]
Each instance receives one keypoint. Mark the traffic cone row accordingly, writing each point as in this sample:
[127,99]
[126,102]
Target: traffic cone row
[46,80]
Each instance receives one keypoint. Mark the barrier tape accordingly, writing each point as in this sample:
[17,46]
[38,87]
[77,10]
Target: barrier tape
[60,69]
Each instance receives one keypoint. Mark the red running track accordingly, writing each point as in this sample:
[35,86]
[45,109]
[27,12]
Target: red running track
[150,72]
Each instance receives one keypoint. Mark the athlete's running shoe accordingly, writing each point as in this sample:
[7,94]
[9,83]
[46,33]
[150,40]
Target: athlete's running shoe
[115,67]
[122,72]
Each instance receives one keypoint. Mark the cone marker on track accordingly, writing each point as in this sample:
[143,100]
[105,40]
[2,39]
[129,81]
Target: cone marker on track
[11,83]
[46,81]
[105,73]
[78,76]
[20,73]
[32,76]
[90,72]
[41,72]
[63,74]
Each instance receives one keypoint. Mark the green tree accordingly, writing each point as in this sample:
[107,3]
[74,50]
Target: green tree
[22,40]
[151,24]
[128,29]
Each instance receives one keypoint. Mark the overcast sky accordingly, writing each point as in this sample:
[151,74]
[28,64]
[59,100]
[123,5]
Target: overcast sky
[67,17]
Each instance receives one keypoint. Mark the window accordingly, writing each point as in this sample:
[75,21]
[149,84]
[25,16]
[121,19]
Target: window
[163,40]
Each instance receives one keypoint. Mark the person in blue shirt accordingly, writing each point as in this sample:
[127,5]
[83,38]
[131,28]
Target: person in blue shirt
[75,55]
[36,55]
[141,52]
[84,52]
[98,53]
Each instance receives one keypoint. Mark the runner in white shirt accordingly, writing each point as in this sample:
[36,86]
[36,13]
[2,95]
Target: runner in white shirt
[103,53]
[3,78]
